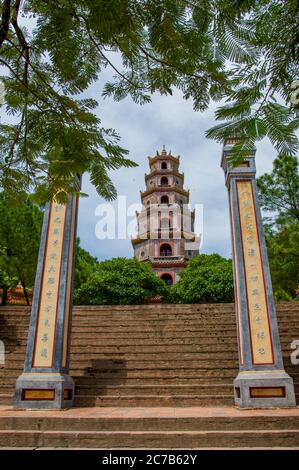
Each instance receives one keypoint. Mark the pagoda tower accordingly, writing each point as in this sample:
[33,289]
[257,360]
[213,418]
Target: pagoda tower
[165,237]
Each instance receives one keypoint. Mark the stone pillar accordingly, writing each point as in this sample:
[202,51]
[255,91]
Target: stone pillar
[45,383]
[262,381]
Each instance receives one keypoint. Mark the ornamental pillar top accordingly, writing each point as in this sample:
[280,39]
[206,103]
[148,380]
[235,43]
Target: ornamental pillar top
[245,168]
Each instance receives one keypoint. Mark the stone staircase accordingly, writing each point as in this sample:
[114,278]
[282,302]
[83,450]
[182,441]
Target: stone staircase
[158,365]
[151,355]
[150,428]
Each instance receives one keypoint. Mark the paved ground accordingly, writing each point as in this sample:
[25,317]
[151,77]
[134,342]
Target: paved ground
[163,412]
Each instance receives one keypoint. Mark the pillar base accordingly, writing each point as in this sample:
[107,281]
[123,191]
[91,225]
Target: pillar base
[36,391]
[264,389]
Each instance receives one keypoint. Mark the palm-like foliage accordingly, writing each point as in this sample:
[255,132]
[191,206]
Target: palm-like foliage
[243,51]
[259,103]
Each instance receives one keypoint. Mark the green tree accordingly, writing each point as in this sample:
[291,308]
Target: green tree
[119,281]
[282,244]
[85,265]
[279,190]
[20,228]
[241,50]
[6,282]
[261,100]
[207,278]
[279,197]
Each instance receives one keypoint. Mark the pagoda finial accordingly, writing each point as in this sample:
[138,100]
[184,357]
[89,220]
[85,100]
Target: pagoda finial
[163,151]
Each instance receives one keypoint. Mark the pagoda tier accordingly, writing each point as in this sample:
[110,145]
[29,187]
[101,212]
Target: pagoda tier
[166,237]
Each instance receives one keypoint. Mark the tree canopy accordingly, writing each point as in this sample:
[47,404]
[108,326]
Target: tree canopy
[283,253]
[242,51]
[85,265]
[279,198]
[207,278]
[20,228]
[279,190]
[119,281]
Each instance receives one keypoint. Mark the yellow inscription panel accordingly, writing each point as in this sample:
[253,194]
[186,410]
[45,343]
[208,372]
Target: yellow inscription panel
[37,394]
[256,392]
[261,342]
[45,335]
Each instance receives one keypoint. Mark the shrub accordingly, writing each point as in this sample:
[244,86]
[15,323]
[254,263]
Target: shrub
[119,281]
[207,278]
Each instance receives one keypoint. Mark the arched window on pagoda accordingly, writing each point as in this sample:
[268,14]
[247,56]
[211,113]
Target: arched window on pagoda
[165,250]
[167,278]
[163,166]
[164,181]
[164,200]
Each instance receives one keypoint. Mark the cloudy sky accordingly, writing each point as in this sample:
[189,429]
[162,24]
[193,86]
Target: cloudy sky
[145,129]
[168,121]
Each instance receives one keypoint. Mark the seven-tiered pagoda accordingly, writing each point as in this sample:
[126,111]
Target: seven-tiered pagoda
[166,237]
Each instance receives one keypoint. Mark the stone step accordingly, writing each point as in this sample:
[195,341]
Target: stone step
[140,357]
[133,347]
[167,307]
[111,379]
[146,374]
[190,389]
[116,361]
[154,323]
[151,439]
[287,331]
[174,336]
[197,324]
[169,345]
[88,369]
[97,382]
[155,428]
[143,319]
[161,312]
[103,365]
[142,400]
[151,419]
[288,327]
[161,355]
[165,348]
[83,389]
[82,310]
[164,374]
[154,400]
[90,398]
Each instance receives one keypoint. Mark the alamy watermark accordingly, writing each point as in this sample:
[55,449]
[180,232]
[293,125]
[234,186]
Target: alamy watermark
[295,353]
[123,221]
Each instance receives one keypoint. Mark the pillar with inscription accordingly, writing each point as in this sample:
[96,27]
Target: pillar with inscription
[262,381]
[45,382]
